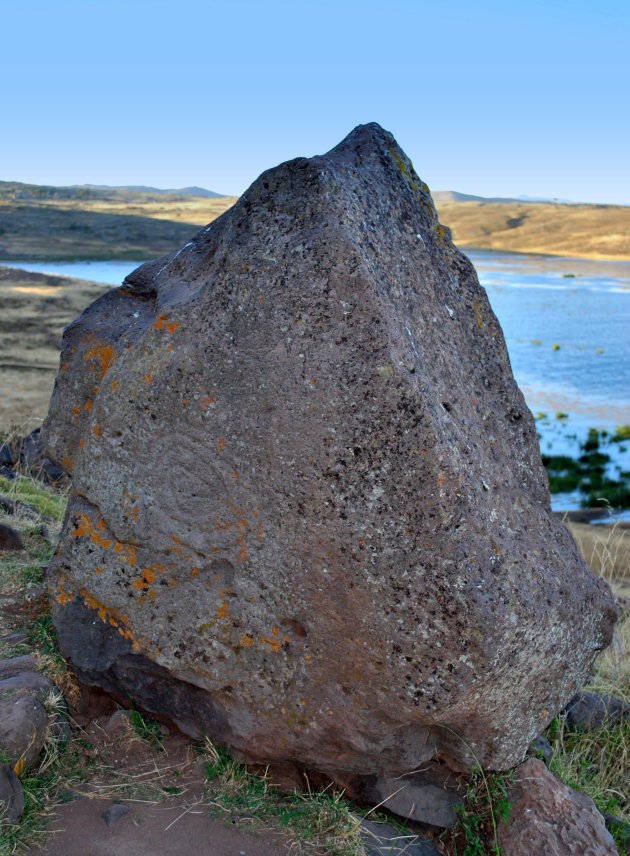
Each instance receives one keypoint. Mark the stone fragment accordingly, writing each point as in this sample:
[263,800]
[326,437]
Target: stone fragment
[541,748]
[33,683]
[381,839]
[9,538]
[23,723]
[428,796]
[549,817]
[113,813]
[11,796]
[15,665]
[589,711]
[309,515]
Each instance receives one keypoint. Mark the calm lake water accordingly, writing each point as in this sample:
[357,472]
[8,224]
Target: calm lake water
[567,327]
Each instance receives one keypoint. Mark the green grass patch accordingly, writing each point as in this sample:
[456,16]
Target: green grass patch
[485,806]
[41,498]
[321,823]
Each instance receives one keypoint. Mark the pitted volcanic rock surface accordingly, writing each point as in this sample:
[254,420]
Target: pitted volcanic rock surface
[309,516]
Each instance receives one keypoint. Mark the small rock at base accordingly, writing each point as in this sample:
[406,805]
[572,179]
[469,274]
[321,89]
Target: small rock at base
[9,538]
[588,711]
[23,723]
[11,796]
[113,813]
[549,817]
[381,839]
[541,748]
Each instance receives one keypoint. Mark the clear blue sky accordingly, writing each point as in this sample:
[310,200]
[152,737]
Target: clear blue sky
[496,98]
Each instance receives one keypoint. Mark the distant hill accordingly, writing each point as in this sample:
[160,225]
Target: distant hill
[529,226]
[39,222]
[454,196]
[136,222]
[17,190]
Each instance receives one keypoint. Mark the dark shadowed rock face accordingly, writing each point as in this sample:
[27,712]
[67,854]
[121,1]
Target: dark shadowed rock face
[309,514]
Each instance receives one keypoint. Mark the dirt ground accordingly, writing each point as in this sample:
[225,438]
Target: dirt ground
[118,824]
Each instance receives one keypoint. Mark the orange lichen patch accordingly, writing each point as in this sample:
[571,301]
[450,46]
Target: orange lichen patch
[147,377]
[61,596]
[97,430]
[261,301]
[220,445]
[440,480]
[163,323]
[64,367]
[312,381]
[273,642]
[145,581]
[67,463]
[88,405]
[169,348]
[114,385]
[307,657]
[246,640]
[101,358]
[222,611]
[126,292]
[234,475]
[85,529]
[206,402]
[245,268]
[194,573]
[98,570]
[127,551]
[110,616]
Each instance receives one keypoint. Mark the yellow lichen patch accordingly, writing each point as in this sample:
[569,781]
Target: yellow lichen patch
[163,323]
[100,358]
[477,311]
[405,171]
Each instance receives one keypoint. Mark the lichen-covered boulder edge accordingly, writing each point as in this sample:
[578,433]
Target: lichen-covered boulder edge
[309,516]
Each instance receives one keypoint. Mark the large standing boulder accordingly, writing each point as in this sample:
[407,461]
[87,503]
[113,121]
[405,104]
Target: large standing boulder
[309,516]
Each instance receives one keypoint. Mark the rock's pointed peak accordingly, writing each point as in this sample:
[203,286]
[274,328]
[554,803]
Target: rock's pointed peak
[365,137]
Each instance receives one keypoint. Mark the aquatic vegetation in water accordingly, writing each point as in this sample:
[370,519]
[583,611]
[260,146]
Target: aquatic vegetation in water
[589,474]
[622,432]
